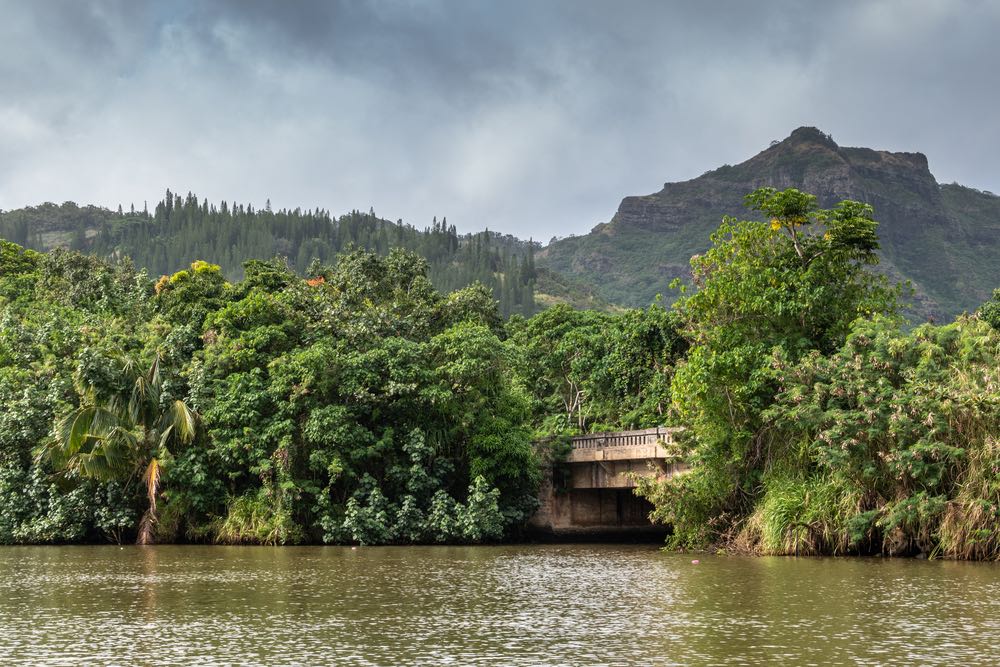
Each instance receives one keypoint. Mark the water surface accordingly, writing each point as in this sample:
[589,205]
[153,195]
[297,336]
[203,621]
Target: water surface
[516,605]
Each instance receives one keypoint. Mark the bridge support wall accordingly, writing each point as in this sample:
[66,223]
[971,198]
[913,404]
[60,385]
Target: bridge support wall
[593,512]
[596,495]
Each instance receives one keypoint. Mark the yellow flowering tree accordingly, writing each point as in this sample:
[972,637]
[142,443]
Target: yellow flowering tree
[794,282]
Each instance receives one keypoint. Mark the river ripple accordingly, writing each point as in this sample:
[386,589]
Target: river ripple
[517,605]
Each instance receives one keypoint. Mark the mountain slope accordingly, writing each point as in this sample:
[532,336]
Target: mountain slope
[944,239]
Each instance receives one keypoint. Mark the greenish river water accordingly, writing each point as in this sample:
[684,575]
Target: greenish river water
[550,604]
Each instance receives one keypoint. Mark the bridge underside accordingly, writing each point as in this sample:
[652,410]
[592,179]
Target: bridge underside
[593,490]
[596,513]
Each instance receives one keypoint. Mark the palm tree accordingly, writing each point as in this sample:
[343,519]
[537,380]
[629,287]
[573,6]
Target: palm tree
[122,432]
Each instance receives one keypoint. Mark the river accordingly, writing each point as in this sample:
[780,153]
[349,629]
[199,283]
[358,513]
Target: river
[509,605]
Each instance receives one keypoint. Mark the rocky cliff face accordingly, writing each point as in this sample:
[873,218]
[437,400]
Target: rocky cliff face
[946,240]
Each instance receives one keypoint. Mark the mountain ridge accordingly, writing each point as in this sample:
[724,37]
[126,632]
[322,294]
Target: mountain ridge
[945,239]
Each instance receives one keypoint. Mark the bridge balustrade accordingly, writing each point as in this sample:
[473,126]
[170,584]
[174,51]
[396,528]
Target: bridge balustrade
[649,436]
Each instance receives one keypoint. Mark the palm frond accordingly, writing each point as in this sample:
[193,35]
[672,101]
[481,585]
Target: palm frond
[153,374]
[121,448]
[183,421]
[138,399]
[151,480]
[129,365]
[94,465]
[165,436]
[75,428]
[103,422]
[113,403]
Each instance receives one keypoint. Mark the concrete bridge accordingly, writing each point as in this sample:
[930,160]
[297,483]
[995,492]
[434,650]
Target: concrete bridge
[592,492]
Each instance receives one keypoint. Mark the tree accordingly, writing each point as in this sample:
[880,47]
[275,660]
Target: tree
[989,312]
[124,426]
[794,283]
[632,379]
[558,351]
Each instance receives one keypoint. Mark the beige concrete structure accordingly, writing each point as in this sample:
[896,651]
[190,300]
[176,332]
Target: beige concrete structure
[595,490]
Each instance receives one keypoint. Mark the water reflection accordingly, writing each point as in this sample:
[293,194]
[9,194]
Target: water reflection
[548,604]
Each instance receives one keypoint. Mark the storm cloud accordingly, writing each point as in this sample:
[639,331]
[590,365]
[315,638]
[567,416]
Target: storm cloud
[532,118]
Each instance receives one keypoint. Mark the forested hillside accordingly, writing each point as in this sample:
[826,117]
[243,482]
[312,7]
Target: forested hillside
[181,230]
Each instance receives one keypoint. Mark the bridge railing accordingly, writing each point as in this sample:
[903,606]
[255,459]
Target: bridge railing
[649,436]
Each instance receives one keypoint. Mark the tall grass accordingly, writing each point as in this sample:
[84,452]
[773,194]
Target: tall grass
[257,518]
[801,516]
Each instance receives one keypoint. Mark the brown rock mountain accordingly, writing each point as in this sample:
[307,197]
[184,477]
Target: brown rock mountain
[945,239]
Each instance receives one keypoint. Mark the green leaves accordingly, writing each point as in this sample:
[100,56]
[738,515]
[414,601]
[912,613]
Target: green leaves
[122,429]
[181,420]
[319,392]
[989,312]
[787,288]
[370,518]
[789,208]
[904,425]
[15,260]
[851,227]
[590,370]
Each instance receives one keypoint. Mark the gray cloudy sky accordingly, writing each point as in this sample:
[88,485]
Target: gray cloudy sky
[531,117]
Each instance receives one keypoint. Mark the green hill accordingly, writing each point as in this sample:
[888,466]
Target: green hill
[945,239]
[181,230]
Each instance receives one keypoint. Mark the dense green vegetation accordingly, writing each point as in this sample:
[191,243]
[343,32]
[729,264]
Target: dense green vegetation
[817,424]
[357,403]
[361,405]
[591,371]
[990,311]
[182,230]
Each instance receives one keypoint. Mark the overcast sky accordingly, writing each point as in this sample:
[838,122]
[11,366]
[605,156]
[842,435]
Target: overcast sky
[533,118]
